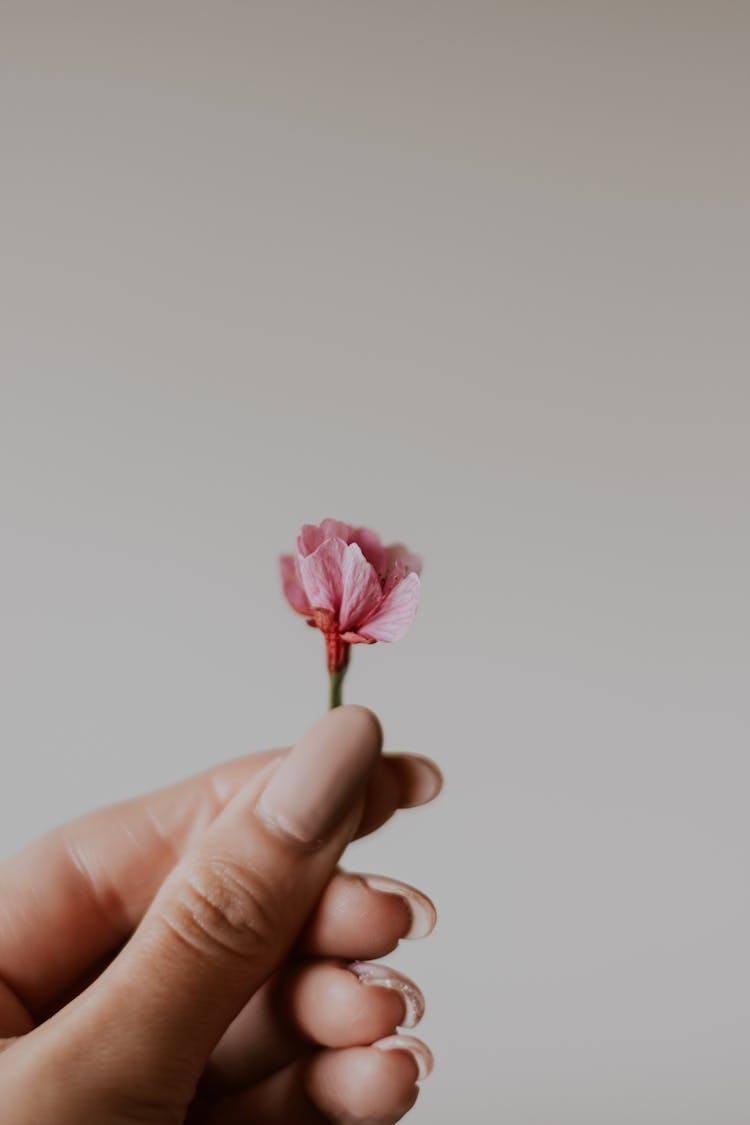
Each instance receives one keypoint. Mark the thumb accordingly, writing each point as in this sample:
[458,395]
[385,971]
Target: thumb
[230,910]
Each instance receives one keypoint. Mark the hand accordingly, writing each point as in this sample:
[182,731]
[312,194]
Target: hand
[183,957]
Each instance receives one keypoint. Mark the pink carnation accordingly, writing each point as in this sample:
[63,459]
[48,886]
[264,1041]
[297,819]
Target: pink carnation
[351,587]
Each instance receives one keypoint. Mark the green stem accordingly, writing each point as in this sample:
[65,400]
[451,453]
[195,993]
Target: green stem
[337,683]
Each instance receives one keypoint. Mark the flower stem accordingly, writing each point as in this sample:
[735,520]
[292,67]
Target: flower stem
[337,682]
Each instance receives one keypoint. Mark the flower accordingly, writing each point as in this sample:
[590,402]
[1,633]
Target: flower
[351,587]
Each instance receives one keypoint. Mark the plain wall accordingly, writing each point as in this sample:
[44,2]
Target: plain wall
[476,275]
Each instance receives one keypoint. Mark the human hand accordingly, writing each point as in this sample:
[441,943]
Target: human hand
[182,957]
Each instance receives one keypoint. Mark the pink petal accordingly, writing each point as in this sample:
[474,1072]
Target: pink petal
[312,535]
[309,538]
[293,591]
[396,614]
[320,574]
[393,575]
[372,547]
[361,593]
[397,552]
[335,529]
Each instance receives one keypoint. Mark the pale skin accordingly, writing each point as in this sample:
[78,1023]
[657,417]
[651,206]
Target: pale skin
[184,957]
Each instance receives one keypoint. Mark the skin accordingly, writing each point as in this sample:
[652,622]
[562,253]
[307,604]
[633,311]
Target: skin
[182,958]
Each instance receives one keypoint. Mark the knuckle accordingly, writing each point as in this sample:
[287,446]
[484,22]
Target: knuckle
[225,908]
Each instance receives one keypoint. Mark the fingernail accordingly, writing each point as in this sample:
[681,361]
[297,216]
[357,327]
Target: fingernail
[421,780]
[421,911]
[381,976]
[418,1050]
[322,775]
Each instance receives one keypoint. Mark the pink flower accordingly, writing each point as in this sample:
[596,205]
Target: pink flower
[351,587]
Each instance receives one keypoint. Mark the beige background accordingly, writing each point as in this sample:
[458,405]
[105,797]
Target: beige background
[475,274]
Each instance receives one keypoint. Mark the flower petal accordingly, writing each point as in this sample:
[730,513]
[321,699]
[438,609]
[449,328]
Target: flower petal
[397,552]
[320,574]
[392,620]
[312,535]
[335,529]
[293,591]
[372,548]
[309,538]
[361,592]
[394,574]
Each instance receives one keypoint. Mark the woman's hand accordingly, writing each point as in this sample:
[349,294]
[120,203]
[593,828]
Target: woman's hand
[194,955]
